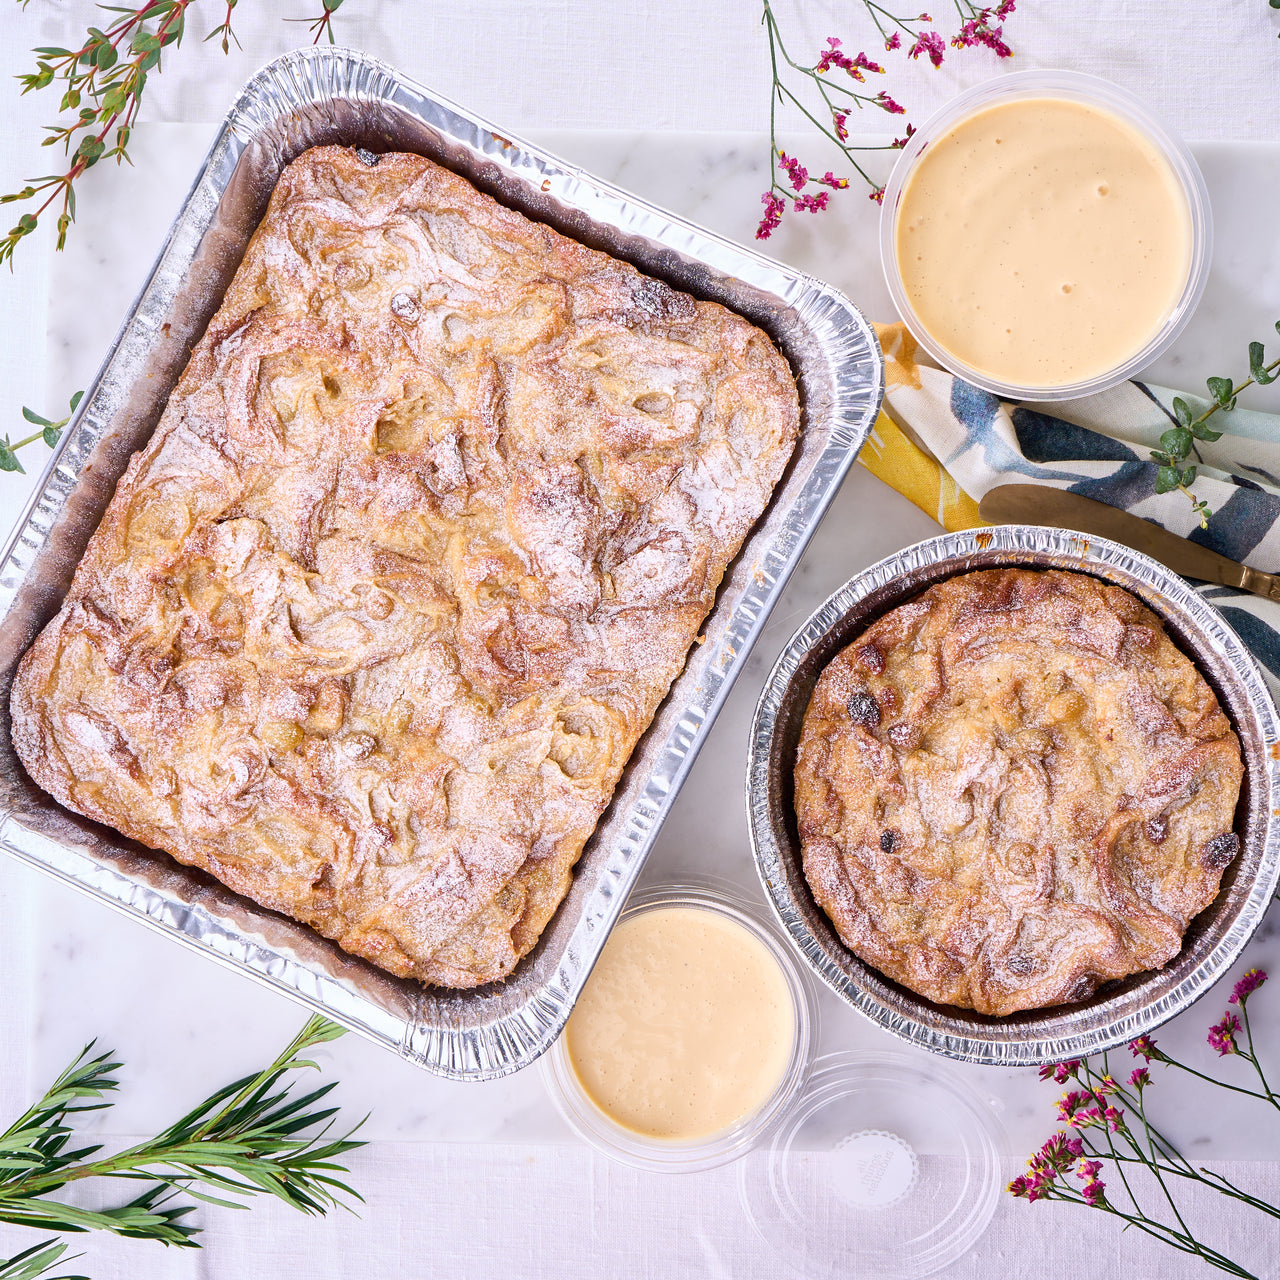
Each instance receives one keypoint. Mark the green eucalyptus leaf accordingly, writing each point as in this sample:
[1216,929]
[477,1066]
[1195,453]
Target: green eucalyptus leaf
[75,400]
[1182,411]
[1202,432]
[1166,479]
[1189,476]
[1162,458]
[105,56]
[9,460]
[35,419]
[1220,390]
[1257,370]
[1176,442]
[51,435]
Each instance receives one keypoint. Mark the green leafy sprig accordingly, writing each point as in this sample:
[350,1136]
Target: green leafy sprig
[103,82]
[250,1138]
[1177,444]
[49,432]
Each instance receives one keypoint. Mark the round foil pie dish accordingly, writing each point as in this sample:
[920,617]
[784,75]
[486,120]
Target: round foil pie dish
[1119,1011]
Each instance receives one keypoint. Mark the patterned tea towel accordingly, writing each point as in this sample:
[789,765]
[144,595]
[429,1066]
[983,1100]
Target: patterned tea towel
[944,443]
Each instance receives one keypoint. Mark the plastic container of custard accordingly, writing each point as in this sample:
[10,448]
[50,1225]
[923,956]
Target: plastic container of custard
[1044,236]
[693,1036]
[675,1064]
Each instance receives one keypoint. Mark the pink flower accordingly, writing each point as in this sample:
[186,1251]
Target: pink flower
[1247,986]
[773,209]
[928,42]
[1089,1169]
[893,42]
[1140,1079]
[886,103]
[842,132]
[829,179]
[792,167]
[1004,9]
[1105,1086]
[978,30]
[1144,1047]
[876,195]
[1059,1153]
[902,142]
[1072,1102]
[811,204]
[1094,1192]
[832,56]
[1059,1071]
[1222,1035]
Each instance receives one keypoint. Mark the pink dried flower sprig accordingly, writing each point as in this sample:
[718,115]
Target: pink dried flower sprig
[931,44]
[832,56]
[1145,1047]
[1061,1072]
[1098,1130]
[981,30]
[838,98]
[1222,1035]
[1247,986]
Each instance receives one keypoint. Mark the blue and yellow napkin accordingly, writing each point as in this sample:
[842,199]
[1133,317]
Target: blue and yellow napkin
[943,444]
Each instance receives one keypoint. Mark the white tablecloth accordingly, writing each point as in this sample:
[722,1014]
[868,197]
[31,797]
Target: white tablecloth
[669,100]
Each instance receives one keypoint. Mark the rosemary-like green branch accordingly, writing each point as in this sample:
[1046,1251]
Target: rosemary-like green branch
[34,1263]
[250,1138]
[1177,443]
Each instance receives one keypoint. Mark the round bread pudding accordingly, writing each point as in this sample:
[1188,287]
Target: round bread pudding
[1014,788]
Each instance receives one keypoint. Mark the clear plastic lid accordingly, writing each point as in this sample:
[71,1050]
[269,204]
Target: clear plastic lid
[886,1166]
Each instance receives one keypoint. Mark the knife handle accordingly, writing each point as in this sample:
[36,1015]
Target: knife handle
[1261,584]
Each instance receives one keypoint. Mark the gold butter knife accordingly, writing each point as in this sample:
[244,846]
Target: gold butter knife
[1041,504]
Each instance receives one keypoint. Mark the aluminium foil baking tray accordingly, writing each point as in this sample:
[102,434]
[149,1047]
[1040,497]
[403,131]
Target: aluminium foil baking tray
[318,96]
[1119,1011]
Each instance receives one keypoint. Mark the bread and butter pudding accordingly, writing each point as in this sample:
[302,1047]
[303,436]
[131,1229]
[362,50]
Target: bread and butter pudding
[374,621]
[1013,788]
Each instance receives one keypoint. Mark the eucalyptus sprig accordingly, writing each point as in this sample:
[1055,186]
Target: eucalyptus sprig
[1177,443]
[49,432]
[103,82]
[250,1138]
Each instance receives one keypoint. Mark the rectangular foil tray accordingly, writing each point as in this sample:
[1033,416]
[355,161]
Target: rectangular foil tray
[306,99]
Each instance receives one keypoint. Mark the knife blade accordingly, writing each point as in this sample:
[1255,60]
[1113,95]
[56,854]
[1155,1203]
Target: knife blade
[1041,504]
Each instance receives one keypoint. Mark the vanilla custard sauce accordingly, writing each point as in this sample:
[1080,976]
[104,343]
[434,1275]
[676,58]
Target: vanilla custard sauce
[1043,241]
[685,1027]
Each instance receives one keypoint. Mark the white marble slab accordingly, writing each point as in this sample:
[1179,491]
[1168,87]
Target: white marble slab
[184,1025]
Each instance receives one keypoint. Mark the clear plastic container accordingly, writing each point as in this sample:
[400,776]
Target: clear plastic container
[885,1166]
[668,1155]
[1076,87]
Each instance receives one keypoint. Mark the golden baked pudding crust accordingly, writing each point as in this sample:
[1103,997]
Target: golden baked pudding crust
[376,618]
[1013,788]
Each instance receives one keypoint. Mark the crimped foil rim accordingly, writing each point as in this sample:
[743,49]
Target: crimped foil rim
[1144,1002]
[487,1033]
